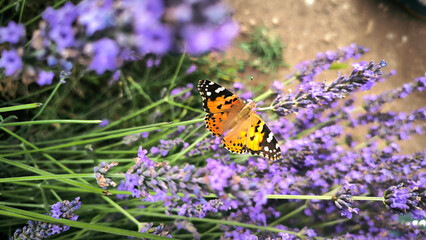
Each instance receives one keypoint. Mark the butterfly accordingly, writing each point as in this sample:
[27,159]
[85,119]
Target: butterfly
[241,130]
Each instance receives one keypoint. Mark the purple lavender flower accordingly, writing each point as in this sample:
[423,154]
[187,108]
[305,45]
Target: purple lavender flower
[104,123]
[12,33]
[277,86]
[313,94]
[306,71]
[198,39]
[10,61]
[96,15]
[238,86]
[178,90]
[63,36]
[153,62]
[166,145]
[62,16]
[105,56]
[373,103]
[343,201]
[191,69]
[185,224]
[407,198]
[224,34]
[45,78]
[154,39]
[42,230]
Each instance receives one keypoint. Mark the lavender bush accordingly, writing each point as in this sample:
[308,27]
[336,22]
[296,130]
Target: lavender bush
[150,169]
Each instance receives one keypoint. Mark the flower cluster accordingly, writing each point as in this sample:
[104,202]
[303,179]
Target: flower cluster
[146,177]
[407,198]
[100,172]
[343,201]
[11,60]
[306,70]
[373,103]
[313,94]
[42,230]
[166,145]
[103,34]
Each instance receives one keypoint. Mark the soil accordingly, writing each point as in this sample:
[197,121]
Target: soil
[310,26]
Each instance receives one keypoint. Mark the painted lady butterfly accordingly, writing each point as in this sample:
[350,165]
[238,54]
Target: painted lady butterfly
[240,128]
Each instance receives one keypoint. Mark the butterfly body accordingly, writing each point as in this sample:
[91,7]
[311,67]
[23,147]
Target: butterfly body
[241,130]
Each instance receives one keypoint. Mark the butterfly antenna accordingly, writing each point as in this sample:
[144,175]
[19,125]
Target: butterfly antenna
[251,81]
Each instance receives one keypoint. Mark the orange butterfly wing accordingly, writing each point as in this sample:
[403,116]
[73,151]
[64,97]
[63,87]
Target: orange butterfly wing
[221,105]
[261,141]
[248,135]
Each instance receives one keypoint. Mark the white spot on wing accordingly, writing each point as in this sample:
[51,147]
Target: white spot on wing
[219,89]
[266,148]
[211,83]
[208,93]
[270,137]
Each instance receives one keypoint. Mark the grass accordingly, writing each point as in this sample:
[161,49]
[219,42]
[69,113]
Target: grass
[266,50]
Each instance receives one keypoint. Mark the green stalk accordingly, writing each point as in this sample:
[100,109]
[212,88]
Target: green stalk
[28,205]
[172,82]
[98,139]
[46,177]
[11,5]
[101,133]
[96,219]
[24,123]
[125,118]
[48,99]
[124,212]
[20,107]
[185,107]
[288,215]
[41,172]
[22,11]
[181,153]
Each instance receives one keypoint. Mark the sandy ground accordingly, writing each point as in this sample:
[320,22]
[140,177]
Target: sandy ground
[311,26]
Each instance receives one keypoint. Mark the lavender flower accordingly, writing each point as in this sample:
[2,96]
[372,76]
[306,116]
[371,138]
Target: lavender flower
[45,78]
[96,17]
[128,140]
[343,201]
[313,94]
[42,230]
[104,123]
[185,224]
[102,169]
[105,56]
[160,230]
[306,71]
[373,103]
[166,145]
[178,90]
[13,33]
[407,198]
[11,62]
[191,69]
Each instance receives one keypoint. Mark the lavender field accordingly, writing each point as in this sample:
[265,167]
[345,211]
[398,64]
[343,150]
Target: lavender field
[173,119]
